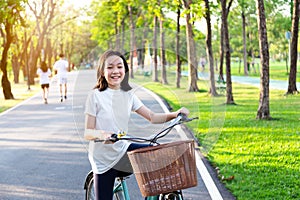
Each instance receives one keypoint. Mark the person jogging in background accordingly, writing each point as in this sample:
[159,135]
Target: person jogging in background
[44,73]
[61,68]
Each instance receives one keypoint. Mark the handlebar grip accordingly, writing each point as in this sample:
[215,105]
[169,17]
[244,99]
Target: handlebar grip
[114,137]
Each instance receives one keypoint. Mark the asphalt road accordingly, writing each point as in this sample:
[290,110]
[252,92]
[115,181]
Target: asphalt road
[43,154]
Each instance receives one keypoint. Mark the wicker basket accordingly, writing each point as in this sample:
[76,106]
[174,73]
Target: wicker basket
[164,168]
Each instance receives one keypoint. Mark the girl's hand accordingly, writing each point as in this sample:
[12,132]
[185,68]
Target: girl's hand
[184,111]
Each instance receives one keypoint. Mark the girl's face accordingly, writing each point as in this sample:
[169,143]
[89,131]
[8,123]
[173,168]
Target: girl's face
[114,71]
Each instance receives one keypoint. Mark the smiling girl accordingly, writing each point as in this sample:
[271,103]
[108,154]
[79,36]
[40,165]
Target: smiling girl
[108,109]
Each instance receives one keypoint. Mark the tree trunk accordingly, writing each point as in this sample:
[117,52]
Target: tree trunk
[221,75]
[132,40]
[122,37]
[264,104]
[4,81]
[292,87]
[154,75]
[244,44]
[192,58]
[48,53]
[117,37]
[209,52]
[225,11]
[178,61]
[162,53]
[145,33]
[16,67]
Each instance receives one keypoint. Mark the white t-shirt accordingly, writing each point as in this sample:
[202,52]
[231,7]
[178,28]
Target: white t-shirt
[112,109]
[62,68]
[44,76]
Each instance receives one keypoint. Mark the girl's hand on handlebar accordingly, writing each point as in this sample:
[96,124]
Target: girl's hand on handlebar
[114,137]
[183,111]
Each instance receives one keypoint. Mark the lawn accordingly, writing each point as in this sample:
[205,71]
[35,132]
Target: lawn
[20,92]
[262,156]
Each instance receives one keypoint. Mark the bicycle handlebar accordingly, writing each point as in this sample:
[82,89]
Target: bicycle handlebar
[181,118]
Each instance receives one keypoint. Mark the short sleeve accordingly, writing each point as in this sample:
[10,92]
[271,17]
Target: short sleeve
[137,103]
[90,105]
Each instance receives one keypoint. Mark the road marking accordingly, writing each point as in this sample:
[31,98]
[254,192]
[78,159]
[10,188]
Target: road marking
[60,108]
[77,107]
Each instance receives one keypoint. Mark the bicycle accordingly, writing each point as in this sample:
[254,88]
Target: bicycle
[120,191]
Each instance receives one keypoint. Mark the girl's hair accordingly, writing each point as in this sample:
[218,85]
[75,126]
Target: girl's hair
[101,81]
[44,66]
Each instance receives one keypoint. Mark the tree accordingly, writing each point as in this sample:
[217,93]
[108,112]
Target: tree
[10,16]
[44,14]
[162,47]
[162,52]
[226,48]
[264,107]
[192,58]
[178,61]
[243,5]
[209,51]
[154,46]
[292,87]
[132,39]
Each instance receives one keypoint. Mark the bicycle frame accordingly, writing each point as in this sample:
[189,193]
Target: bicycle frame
[122,187]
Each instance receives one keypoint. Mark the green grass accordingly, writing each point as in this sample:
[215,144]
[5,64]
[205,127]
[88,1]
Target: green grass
[20,92]
[263,156]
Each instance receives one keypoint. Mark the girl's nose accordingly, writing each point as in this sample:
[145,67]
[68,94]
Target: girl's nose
[115,70]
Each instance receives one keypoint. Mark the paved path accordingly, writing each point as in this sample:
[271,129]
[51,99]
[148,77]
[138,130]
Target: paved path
[274,84]
[44,156]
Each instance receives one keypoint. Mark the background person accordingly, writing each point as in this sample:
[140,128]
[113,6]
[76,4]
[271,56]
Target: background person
[107,111]
[61,68]
[44,73]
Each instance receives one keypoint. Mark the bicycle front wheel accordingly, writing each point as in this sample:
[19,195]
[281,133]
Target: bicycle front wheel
[90,191]
[176,195]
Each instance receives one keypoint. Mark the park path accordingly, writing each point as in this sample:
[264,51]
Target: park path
[254,81]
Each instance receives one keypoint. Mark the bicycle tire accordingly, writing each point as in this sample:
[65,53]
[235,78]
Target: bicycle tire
[176,195]
[90,192]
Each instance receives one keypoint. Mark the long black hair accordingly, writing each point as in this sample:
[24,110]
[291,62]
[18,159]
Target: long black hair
[101,81]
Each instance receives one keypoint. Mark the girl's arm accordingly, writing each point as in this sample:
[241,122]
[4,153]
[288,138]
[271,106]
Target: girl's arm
[90,133]
[156,118]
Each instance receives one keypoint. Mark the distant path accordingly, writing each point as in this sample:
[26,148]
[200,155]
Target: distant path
[274,84]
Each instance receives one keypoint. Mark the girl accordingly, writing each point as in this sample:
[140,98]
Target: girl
[44,73]
[108,109]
